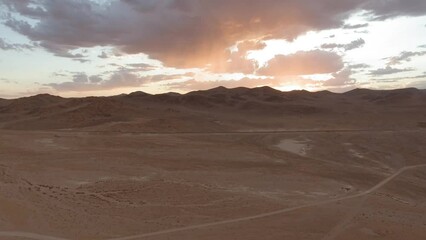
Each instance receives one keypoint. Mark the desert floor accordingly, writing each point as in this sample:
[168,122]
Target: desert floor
[328,184]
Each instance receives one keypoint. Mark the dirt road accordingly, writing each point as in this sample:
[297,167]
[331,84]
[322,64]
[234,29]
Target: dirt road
[369,191]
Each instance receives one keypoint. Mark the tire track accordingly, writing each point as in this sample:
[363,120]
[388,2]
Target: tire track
[36,236]
[263,215]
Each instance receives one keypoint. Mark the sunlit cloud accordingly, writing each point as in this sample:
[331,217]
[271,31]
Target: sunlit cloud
[105,46]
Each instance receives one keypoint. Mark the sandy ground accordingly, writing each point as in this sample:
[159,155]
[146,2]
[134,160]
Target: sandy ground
[332,184]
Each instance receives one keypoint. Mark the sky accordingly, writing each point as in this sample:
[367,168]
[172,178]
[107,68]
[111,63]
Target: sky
[75,48]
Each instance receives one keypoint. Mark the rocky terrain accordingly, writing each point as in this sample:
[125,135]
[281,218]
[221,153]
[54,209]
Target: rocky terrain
[218,164]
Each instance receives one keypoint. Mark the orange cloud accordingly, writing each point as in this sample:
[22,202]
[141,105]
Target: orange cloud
[303,63]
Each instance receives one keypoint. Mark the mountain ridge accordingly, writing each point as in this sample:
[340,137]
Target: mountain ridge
[218,109]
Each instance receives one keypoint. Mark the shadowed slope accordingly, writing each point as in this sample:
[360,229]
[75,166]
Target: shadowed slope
[219,109]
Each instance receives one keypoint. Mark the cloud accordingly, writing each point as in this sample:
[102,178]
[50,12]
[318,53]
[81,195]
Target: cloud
[350,46]
[62,51]
[103,55]
[81,60]
[184,33]
[59,74]
[120,79]
[385,9]
[355,26]
[342,78]
[80,78]
[388,70]
[141,66]
[404,57]
[303,63]
[8,81]
[235,61]
[15,46]
[405,78]
[359,66]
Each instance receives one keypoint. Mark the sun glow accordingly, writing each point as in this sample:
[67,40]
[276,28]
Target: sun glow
[289,88]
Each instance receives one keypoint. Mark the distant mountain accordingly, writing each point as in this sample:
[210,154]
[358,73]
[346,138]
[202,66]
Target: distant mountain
[219,109]
[397,97]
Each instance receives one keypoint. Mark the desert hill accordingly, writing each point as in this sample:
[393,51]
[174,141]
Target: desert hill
[219,109]
[408,96]
[217,164]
